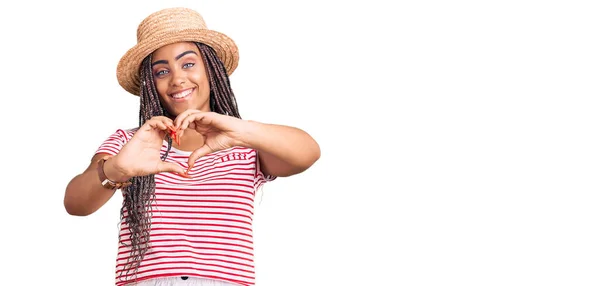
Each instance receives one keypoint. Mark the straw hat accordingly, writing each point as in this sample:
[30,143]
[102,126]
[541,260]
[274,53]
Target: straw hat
[169,26]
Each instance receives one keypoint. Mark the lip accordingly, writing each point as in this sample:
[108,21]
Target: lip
[191,91]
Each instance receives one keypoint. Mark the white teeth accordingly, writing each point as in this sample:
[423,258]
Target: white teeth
[182,94]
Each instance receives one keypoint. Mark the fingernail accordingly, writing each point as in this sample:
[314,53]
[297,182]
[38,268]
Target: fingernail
[185,175]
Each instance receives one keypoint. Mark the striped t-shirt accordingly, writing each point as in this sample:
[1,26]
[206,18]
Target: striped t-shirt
[201,226]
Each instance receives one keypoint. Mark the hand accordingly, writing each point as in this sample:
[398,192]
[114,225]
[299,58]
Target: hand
[141,155]
[220,132]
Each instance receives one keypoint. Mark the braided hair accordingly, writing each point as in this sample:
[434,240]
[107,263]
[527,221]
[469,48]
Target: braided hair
[138,197]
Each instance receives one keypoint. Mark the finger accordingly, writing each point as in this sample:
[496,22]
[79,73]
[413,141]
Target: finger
[192,120]
[179,135]
[198,153]
[162,124]
[174,136]
[165,120]
[161,119]
[185,123]
[157,124]
[182,116]
[170,167]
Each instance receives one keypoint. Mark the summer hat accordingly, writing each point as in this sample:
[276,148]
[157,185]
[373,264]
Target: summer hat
[169,26]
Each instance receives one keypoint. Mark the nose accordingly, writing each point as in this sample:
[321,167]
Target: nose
[177,77]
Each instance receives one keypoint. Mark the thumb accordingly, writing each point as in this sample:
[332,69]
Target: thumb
[198,153]
[170,167]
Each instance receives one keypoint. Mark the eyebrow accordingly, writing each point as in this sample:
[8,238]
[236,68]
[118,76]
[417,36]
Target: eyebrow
[176,58]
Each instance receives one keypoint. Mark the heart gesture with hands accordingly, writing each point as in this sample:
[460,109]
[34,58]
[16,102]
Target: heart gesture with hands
[141,155]
[219,131]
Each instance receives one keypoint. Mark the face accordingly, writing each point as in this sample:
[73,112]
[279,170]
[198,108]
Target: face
[180,78]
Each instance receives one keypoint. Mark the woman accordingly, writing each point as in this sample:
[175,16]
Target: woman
[189,171]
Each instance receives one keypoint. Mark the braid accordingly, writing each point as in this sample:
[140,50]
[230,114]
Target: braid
[138,197]
[222,99]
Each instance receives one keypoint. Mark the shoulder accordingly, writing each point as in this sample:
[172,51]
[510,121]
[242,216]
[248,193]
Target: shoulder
[121,136]
[125,134]
[115,141]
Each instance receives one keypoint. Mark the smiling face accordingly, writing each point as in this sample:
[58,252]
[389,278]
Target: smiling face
[180,78]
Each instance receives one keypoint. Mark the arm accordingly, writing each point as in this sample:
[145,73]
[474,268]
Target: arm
[283,150]
[85,194]
[140,156]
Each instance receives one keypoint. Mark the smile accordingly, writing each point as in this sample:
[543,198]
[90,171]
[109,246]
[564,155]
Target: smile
[182,94]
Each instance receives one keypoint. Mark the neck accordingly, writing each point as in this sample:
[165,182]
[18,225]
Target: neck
[190,140]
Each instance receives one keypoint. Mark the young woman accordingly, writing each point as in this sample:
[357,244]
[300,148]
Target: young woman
[188,173]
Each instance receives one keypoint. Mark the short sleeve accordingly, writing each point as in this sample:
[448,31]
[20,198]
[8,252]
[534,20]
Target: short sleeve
[114,143]
[259,177]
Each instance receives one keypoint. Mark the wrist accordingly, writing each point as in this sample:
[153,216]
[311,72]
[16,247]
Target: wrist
[114,172]
[248,133]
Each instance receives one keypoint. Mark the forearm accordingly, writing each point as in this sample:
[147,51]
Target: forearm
[85,194]
[284,150]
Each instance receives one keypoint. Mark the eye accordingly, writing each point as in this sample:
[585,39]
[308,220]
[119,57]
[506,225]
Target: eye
[161,73]
[188,65]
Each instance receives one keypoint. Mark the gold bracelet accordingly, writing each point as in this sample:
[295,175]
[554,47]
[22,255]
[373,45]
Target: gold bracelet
[106,182]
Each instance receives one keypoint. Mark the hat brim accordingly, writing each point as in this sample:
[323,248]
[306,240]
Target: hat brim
[129,65]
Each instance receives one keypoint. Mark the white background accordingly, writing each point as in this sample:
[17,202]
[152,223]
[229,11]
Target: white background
[459,139]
